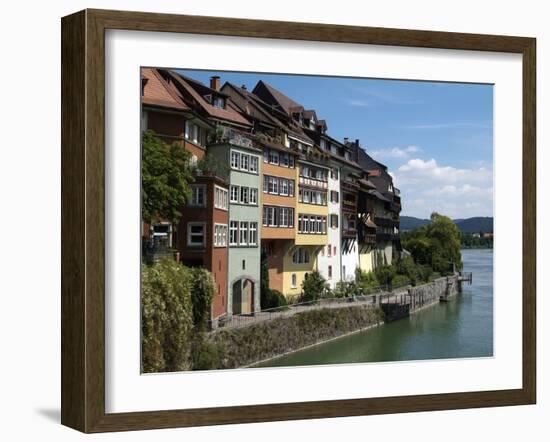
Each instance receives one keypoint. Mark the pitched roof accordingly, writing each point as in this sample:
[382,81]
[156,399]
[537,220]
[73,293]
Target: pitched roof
[255,101]
[191,91]
[275,97]
[158,92]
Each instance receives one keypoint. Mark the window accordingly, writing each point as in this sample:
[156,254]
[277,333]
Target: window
[244,264]
[244,195]
[290,187]
[291,161]
[329,250]
[220,198]
[312,224]
[243,233]
[293,281]
[285,160]
[233,228]
[235,159]
[194,133]
[195,234]
[253,164]
[234,194]
[266,183]
[334,221]
[218,102]
[334,196]
[278,216]
[273,157]
[284,187]
[300,256]
[329,272]
[266,155]
[334,251]
[253,234]
[312,197]
[244,161]
[220,235]
[198,196]
[253,196]
[334,174]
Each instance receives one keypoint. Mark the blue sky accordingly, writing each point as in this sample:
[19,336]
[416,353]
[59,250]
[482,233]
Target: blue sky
[436,138]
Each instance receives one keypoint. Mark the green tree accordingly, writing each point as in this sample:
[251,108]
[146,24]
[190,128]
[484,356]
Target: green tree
[166,317]
[165,177]
[436,244]
[202,293]
[314,286]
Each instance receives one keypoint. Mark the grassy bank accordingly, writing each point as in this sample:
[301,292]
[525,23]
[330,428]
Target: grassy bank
[239,347]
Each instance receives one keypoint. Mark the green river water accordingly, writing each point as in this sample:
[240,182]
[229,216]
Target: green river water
[460,328]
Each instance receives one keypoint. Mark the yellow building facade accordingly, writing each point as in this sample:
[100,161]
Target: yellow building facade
[311,227]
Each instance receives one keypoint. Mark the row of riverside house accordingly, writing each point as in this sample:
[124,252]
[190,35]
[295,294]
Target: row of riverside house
[292,195]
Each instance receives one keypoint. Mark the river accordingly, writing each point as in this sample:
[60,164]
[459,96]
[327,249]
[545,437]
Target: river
[460,328]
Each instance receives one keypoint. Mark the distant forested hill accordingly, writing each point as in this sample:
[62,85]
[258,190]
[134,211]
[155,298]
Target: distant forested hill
[468,225]
[476,224]
[411,223]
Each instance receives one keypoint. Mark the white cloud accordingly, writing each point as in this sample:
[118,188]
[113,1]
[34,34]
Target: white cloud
[459,193]
[395,152]
[358,103]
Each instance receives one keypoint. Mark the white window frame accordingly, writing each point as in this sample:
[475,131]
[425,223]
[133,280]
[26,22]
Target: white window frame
[243,230]
[220,198]
[236,190]
[190,234]
[275,155]
[244,195]
[283,187]
[234,230]
[252,233]
[253,196]
[245,162]
[197,187]
[253,164]
[235,158]
[220,235]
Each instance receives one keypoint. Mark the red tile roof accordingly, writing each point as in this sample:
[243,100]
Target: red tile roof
[158,92]
[230,112]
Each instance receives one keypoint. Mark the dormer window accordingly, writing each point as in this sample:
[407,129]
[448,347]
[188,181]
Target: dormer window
[218,102]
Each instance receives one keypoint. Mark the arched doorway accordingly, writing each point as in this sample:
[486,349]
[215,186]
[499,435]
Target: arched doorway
[243,296]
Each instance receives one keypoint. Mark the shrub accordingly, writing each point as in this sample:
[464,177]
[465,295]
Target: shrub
[167,316]
[274,299]
[202,292]
[366,281]
[314,287]
[384,274]
[345,289]
[400,281]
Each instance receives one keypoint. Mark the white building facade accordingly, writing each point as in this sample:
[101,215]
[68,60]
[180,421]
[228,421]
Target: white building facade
[329,263]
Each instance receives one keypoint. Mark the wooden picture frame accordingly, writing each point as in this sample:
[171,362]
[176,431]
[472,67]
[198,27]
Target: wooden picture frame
[83,220]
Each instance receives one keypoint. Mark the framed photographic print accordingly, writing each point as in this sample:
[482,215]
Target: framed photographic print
[267,221]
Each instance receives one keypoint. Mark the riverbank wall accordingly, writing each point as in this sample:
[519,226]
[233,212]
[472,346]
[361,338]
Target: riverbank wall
[260,341]
[408,300]
[238,347]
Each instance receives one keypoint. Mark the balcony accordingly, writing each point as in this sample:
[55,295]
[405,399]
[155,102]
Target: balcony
[312,182]
[350,186]
[349,232]
[369,238]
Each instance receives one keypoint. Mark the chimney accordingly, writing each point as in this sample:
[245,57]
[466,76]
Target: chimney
[243,87]
[346,140]
[215,83]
